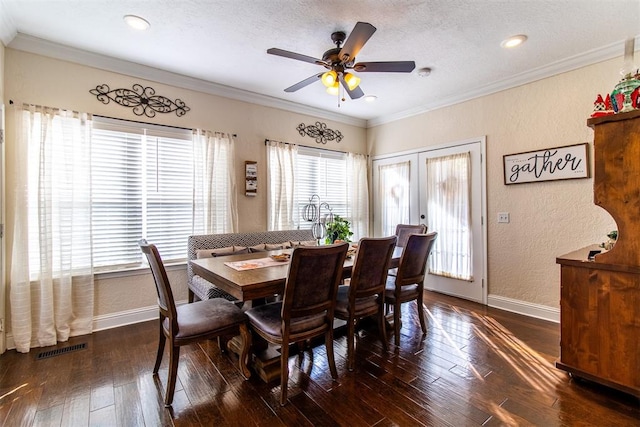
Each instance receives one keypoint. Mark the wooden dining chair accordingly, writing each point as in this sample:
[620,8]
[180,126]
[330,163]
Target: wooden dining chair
[364,296]
[403,231]
[307,306]
[189,323]
[408,284]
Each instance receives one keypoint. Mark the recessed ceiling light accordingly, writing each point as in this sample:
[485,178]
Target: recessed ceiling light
[136,22]
[424,72]
[370,98]
[513,41]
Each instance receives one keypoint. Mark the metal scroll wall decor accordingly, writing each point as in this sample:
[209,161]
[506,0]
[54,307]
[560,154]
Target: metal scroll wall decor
[312,212]
[143,100]
[320,132]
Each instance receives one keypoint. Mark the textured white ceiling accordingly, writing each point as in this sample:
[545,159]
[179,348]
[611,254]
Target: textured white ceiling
[225,42]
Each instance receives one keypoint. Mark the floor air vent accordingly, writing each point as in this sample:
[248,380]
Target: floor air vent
[60,351]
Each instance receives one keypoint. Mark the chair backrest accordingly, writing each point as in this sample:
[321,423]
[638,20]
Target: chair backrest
[403,231]
[312,283]
[413,262]
[166,302]
[371,266]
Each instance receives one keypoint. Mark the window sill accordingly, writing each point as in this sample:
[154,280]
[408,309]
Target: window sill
[137,271]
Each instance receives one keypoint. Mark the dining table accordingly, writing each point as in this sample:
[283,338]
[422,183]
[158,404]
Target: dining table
[253,277]
[261,279]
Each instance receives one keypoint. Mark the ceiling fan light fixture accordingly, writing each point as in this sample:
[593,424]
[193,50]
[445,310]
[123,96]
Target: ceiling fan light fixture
[330,78]
[334,89]
[351,80]
[136,22]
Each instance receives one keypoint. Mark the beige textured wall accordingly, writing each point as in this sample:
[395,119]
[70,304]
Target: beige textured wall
[44,81]
[547,219]
[3,293]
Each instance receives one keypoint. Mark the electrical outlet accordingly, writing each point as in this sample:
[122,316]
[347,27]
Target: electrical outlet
[503,217]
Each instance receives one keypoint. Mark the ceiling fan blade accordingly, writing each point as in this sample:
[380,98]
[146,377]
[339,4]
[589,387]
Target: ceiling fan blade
[353,94]
[293,55]
[385,67]
[358,37]
[303,83]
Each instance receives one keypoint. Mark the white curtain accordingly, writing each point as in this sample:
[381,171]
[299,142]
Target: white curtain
[215,203]
[281,159]
[358,195]
[51,287]
[394,188]
[449,213]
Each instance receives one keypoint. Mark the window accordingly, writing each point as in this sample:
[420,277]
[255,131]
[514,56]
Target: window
[324,173]
[296,173]
[142,187]
[95,186]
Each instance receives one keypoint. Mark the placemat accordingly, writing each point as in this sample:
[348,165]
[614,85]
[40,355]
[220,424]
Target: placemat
[252,264]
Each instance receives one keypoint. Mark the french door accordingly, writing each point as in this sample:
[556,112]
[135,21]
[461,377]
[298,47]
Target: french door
[391,183]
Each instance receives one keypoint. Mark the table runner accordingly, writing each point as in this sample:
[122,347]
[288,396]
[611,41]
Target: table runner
[251,264]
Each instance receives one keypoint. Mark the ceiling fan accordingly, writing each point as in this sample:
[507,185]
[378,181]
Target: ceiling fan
[341,59]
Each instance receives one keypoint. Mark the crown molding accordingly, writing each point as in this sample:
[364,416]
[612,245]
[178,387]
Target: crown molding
[568,64]
[47,48]
[31,44]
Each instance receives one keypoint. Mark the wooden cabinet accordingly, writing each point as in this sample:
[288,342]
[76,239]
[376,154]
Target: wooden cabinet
[600,299]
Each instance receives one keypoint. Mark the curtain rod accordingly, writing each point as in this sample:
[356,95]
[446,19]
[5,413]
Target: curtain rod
[136,121]
[266,141]
[154,124]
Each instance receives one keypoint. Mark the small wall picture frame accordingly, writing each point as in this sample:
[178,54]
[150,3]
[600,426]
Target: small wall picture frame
[251,178]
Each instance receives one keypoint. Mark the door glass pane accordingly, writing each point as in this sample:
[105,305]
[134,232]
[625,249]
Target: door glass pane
[448,193]
[393,187]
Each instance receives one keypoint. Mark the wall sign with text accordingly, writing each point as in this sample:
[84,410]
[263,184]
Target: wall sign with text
[568,162]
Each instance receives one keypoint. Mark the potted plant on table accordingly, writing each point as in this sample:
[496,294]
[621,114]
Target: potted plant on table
[338,229]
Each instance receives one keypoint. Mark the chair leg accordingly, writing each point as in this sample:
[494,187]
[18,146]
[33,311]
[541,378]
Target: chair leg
[328,340]
[382,327]
[284,372]
[420,308]
[161,340]
[350,343]
[396,322]
[222,343]
[244,352]
[174,356]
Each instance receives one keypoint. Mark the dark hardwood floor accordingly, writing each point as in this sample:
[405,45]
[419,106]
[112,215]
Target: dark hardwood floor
[476,366]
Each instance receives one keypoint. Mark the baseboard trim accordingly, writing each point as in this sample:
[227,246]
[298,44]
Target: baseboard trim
[123,318]
[525,308]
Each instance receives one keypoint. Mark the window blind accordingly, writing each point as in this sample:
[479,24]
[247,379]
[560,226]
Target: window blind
[142,187]
[324,173]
